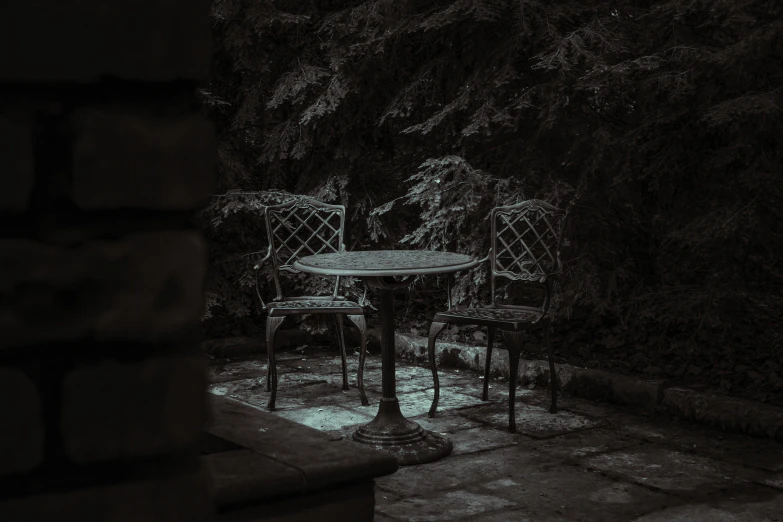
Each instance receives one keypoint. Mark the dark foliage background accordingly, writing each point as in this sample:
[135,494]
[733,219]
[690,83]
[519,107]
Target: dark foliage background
[657,124]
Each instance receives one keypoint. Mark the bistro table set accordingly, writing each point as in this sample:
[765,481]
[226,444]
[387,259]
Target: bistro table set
[307,236]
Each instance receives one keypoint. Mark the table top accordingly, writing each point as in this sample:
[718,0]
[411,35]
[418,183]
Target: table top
[385,263]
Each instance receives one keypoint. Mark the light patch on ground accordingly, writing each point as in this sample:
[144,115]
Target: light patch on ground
[581,452]
[536,421]
[325,417]
[449,506]
[418,403]
[218,390]
[501,483]
[445,423]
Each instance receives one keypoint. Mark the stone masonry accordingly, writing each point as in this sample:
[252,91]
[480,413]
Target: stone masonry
[105,155]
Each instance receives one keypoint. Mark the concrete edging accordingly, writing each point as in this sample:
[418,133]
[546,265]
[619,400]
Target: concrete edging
[648,395]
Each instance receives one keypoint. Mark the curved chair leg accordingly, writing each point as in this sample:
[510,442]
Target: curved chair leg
[268,366]
[552,374]
[338,320]
[514,342]
[490,344]
[272,325]
[361,324]
[435,329]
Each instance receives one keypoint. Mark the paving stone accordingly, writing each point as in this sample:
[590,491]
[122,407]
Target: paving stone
[418,403]
[531,420]
[575,445]
[325,417]
[252,390]
[237,370]
[768,511]
[445,423]
[670,470]
[480,439]
[566,493]
[449,506]
[454,472]
[738,449]
[548,492]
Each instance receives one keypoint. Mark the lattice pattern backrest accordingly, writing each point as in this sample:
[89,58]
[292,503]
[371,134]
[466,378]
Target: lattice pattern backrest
[526,240]
[304,227]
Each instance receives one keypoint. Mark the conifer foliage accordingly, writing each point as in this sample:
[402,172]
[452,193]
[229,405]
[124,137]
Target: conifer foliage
[657,124]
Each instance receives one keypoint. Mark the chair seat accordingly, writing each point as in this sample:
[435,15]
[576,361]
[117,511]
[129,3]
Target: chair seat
[277,309]
[503,318]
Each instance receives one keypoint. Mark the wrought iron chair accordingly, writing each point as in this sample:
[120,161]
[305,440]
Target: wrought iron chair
[299,228]
[525,247]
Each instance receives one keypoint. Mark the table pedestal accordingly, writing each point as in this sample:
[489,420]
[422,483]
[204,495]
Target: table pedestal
[390,430]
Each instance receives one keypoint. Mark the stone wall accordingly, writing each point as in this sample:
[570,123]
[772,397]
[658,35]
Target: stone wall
[105,155]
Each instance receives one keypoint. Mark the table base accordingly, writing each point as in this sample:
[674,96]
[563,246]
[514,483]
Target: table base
[408,442]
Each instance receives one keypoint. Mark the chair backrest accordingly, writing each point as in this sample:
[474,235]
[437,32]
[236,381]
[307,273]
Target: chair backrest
[526,240]
[303,227]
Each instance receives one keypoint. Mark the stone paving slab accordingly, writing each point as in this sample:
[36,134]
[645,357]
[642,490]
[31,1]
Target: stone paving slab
[571,494]
[233,370]
[418,403]
[671,471]
[533,421]
[768,511]
[571,447]
[543,492]
[451,505]
[326,417]
[761,453]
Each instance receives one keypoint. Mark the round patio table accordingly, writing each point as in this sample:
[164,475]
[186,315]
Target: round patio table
[390,430]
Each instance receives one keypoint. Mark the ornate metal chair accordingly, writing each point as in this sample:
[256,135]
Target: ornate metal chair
[525,247]
[299,228]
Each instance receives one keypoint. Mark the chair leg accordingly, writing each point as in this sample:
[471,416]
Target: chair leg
[338,320]
[487,365]
[552,373]
[272,325]
[361,324]
[268,366]
[514,342]
[435,329]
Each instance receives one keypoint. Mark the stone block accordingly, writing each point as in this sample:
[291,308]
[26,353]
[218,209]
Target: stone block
[179,498]
[728,413]
[84,41]
[144,287]
[127,159]
[619,389]
[21,429]
[16,160]
[118,410]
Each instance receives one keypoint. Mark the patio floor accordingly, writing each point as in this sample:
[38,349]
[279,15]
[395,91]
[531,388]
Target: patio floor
[589,462]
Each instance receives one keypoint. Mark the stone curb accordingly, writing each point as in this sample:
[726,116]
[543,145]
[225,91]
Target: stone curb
[648,395]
